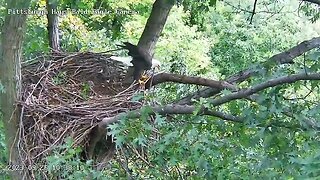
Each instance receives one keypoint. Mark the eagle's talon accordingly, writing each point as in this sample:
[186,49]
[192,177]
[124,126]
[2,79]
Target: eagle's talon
[143,80]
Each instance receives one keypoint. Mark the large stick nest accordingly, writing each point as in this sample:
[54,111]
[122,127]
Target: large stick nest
[68,95]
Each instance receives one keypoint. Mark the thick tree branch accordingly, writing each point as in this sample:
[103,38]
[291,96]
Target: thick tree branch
[288,56]
[170,109]
[208,92]
[190,109]
[285,57]
[271,83]
[313,1]
[281,58]
[168,77]
[52,27]
[155,24]
[10,76]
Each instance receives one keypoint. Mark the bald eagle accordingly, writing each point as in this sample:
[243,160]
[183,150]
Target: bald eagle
[140,60]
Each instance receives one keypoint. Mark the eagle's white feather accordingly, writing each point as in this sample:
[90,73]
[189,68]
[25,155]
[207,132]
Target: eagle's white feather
[127,61]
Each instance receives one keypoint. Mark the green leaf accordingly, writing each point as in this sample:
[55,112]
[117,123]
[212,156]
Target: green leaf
[145,112]
[119,140]
[213,2]
[138,97]
[226,92]
[159,120]
[141,140]
[2,89]
[315,56]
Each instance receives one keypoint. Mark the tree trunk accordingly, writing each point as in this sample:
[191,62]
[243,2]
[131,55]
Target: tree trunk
[10,75]
[148,39]
[53,30]
[155,24]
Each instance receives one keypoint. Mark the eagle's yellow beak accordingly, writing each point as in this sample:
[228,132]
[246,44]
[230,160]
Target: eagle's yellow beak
[156,64]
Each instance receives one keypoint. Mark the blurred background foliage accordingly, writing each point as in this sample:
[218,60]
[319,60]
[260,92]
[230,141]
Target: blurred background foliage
[208,39]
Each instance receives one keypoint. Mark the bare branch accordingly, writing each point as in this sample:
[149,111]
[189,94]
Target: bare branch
[258,12]
[168,77]
[190,109]
[208,92]
[289,55]
[254,10]
[313,1]
[280,58]
[171,109]
[271,83]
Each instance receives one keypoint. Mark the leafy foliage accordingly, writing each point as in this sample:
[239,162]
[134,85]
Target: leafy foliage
[3,151]
[65,163]
[269,144]
[197,10]
[183,50]
[311,10]
[277,139]
[77,37]
[2,89]
[237,44]
[36,39]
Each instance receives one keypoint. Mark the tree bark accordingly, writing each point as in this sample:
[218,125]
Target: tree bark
[169,77]
[53,27]
[313,1]
[10,74]
[156,21]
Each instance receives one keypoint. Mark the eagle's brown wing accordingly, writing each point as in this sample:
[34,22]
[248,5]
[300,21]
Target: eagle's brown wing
[141,60]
